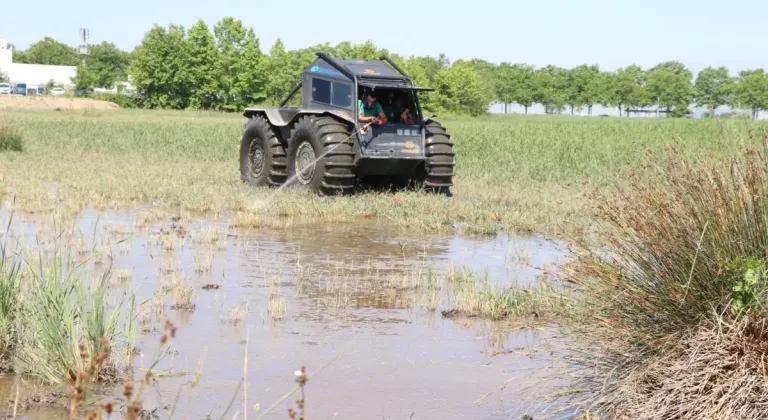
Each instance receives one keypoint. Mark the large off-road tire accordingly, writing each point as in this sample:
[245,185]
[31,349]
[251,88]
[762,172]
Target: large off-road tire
[321,155]
[262,156]
[438,171]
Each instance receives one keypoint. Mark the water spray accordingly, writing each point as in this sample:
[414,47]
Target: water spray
[292,178]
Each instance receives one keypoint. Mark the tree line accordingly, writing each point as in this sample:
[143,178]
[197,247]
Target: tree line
[225,69]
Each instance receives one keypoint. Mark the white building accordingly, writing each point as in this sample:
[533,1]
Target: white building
[33,74]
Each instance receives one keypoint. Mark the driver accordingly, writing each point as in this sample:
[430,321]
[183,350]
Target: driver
[370,111]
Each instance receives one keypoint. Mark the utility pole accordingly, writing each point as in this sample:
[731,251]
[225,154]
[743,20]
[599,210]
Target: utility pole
[84,36]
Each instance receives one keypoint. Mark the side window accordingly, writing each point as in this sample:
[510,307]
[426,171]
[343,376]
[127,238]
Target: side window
[342,95]
[321,91]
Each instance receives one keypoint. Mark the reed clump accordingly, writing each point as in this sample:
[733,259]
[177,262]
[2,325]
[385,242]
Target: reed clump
[671,319]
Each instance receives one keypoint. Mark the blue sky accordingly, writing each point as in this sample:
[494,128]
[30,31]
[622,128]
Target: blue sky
[560,32]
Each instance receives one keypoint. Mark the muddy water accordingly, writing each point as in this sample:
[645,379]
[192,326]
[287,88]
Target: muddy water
[381,352]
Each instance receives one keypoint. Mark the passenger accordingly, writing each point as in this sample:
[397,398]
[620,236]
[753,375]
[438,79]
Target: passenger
[407,114]
[392,107]
[370,111]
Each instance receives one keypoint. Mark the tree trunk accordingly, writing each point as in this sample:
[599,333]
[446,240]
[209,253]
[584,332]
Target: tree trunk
[571,109]
[589,112]
[526,109]
[620,111]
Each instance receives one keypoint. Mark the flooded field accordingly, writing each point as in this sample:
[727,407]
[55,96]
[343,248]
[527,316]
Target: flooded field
[367,308]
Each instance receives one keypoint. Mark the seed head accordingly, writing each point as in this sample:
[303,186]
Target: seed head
[108,406]
[170,328]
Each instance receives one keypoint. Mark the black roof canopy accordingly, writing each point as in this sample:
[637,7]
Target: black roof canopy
[371,74]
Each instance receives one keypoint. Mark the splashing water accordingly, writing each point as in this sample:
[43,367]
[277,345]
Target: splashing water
[258,204]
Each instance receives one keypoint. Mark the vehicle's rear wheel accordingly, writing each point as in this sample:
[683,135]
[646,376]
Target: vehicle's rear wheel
[262,156]
[437,173]
[321,155]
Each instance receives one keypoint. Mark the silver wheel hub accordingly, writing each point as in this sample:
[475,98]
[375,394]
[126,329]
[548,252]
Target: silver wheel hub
[305,163]
[257,159]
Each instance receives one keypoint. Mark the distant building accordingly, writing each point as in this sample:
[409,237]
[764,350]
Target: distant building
[35,74]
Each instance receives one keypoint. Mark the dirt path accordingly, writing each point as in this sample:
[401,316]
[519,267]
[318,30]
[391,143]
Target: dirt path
[52,102]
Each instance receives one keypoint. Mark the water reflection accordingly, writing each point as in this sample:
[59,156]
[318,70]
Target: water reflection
[361,295]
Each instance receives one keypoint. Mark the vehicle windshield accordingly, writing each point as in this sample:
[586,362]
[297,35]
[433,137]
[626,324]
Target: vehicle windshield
[5,85]
[21,86]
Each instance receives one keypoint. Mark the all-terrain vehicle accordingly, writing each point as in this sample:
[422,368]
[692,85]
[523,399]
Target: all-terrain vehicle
[323,146]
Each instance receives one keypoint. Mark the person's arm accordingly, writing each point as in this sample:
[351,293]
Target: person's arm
[360,115]
[364,119]
[381,114]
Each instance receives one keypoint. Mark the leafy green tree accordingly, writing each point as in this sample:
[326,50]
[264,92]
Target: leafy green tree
[4,77]
[20,56]
[714,87]
[281,80]
[429,101]
[160,68]
[431,65]
[486,71]
[626,88]
[48,51]
[251,81]
[670,90]
[230,41]
[84,80]
[752,90]
[551,88]
[515,84]
[579,83]
[675,67]
[107,63]
[524,85]
[504,86]
[203,60]
[670,87]
[460,90]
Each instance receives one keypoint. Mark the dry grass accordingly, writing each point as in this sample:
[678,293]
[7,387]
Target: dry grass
[716,371]
[277,306]
[8,102]
[237,313]
[684,250]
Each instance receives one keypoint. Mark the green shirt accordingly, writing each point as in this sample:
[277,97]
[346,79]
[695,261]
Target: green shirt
[392,112]
[369,112]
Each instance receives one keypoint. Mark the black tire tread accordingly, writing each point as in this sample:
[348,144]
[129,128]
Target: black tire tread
[275,155]
[440,162]
[337,165]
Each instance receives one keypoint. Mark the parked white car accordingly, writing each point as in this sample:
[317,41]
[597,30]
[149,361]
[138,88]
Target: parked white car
[57,91]
[5,88]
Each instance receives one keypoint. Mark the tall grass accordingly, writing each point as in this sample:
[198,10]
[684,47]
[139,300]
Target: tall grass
[64,321]
[10,139]
[674,299]
[10,303]
[513,173]
[53,323]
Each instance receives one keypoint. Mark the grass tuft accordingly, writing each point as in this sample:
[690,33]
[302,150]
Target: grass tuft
[10,139]
[683,249]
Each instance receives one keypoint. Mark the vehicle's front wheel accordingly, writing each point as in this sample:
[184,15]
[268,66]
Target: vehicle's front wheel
[321,155]
[262,156]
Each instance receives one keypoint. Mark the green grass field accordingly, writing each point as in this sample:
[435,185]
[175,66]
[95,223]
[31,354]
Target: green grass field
[515,173]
